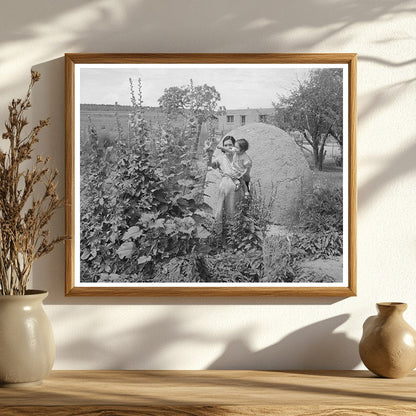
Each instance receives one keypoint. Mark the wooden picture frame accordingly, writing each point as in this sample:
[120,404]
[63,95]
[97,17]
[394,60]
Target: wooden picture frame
[88,148]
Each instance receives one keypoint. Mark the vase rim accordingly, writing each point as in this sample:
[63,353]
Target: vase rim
[42,294]
[401,306]
[35,292]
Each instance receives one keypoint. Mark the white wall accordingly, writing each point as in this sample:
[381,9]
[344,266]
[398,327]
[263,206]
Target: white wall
[200,333]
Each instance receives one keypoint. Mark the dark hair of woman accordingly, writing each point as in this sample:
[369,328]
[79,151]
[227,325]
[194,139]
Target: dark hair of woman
[226,138]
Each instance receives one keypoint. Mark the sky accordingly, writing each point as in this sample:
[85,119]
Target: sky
[240,86]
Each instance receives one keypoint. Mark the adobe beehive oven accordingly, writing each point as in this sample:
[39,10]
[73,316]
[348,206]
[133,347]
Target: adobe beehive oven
[278,163]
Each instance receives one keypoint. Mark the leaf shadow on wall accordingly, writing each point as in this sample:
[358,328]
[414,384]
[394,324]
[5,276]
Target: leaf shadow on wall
[151,345]
[397,167]
[313,347]
[401,164]
[216,26]
[144,346]
[236,29]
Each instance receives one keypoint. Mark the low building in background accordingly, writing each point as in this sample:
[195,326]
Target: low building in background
[235,118]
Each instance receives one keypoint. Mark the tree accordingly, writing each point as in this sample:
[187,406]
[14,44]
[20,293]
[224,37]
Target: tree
[197,103]
[175,101]
[315,109]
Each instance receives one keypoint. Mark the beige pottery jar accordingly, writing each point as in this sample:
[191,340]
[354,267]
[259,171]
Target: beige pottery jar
[388,345]
[27,347]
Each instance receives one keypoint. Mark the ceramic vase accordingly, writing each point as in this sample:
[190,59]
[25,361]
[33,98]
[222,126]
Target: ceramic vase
[27,347]
[388,345]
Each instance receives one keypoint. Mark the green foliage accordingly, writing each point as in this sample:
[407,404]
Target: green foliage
[175,101]
[247,231]
[150,222]
[203,100]
[245,237]
[237,267]
[315,109]
[280,259]
[313,277]
[223,267]
[120,132]
[318,235]
[322,210]
[97,218]
[142,209]
[200,101]
[149,214]
[319,244]
[338,161]
[197,104]
[321,224]
[190,268]
[138,123]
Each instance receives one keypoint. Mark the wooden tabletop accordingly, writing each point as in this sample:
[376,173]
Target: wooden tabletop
[254,393]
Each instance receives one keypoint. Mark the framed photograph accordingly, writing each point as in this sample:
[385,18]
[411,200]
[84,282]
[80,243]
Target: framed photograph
[211,174]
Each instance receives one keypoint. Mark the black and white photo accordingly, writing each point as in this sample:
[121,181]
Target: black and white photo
[201,175]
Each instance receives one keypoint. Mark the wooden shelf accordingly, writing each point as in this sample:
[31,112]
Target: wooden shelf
[202,393]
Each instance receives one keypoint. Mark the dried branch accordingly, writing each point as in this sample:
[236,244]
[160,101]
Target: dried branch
[23,218]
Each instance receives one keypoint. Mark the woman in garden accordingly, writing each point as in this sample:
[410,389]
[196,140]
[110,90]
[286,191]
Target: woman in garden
[229,198]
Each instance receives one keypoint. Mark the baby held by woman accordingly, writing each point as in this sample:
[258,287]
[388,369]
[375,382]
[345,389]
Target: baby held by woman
[241,164]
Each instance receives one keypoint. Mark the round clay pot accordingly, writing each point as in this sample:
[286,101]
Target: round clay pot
[388,345]
[27,347]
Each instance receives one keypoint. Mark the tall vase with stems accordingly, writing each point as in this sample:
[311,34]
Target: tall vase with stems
[28,200]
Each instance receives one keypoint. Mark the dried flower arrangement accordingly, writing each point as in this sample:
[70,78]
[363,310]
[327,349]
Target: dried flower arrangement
[28,199]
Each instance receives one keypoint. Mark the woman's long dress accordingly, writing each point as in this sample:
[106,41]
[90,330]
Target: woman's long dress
[228,198]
